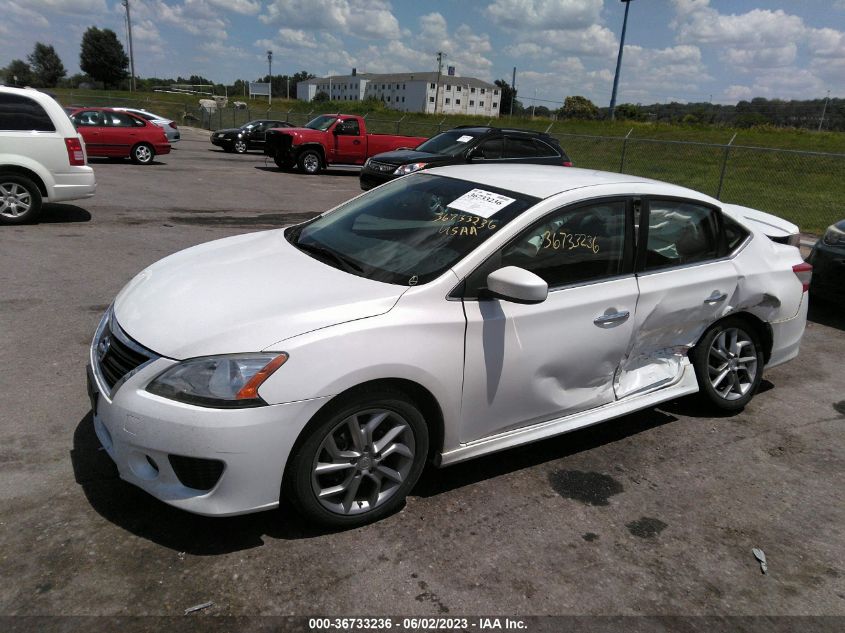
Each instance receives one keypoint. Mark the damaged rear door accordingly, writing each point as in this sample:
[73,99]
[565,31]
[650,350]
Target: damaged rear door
[685,284]
[526,364]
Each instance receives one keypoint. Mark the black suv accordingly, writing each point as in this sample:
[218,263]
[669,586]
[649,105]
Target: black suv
[249,136]
[465,144]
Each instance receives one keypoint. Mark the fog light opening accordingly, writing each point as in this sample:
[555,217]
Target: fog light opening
[152,463]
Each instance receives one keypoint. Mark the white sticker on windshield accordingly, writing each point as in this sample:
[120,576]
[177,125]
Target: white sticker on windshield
[465,138]
[481,203]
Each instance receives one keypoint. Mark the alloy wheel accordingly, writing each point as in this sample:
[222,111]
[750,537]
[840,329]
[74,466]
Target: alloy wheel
[732,363]
[240,146]
[363,461]
[143,154]
[311,163]
[15,200]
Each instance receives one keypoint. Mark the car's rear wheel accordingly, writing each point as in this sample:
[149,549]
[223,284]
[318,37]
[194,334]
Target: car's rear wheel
[310,162]
[359,460]
[142,154]
[728,363]
[20,199]
[240,146]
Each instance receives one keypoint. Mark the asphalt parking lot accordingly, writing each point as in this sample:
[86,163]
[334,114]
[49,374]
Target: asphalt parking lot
[654,513]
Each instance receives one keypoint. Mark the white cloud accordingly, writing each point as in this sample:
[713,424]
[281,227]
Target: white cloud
[545,14]
[14,12]
[361,18]
[245,7]
[736,92]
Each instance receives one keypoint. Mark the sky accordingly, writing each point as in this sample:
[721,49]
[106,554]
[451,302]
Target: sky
[675,50]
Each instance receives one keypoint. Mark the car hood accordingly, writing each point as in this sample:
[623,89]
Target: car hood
[242,294]
[228,130]
[404,156]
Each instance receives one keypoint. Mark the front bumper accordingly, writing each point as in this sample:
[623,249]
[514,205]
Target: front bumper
[828,281]
[141,431]
[220,141]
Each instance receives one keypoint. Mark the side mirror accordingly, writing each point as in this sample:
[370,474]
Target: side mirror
[517,285]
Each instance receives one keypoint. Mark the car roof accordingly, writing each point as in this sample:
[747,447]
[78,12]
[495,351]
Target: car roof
[484,129]
[544,181]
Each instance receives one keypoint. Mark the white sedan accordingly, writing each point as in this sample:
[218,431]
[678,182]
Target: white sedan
[442,316]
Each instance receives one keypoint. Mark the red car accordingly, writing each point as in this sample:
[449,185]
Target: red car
[114,134]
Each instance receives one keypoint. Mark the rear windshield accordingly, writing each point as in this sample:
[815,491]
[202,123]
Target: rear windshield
[449,143]
[19,113]
[411,230]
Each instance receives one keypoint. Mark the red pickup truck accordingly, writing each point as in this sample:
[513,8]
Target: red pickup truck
[331,139]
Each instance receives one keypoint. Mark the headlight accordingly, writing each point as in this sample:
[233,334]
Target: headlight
[367,163]
[834,236]
[225,382]
[410,168]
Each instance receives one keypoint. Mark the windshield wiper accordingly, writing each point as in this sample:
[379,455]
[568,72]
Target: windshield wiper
[345,263]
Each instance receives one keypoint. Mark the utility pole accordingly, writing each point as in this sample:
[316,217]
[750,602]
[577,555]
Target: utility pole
[131,53]
[288,86]
[824,109]
[619,60]
[440,56]
[270,77]
[513,89]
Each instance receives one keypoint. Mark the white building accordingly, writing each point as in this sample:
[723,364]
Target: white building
[409,92]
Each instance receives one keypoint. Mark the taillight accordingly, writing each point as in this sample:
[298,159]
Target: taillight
[567,163]
[173,125]
[804,272]
[74,151]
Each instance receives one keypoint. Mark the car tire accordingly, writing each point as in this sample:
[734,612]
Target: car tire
[310,162]
[371,476]
[20,199]
[728,362]
[142,154]
[239,146]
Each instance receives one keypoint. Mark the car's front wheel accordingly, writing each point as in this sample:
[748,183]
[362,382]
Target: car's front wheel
[20,199]
[358,460]
[142,154]
[240,146]
[310,162]
[728,363]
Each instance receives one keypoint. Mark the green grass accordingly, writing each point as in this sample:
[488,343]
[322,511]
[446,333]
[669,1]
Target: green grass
[803,188]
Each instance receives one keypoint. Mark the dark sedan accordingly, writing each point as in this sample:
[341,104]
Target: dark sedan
[249,136]
[465,144]
[828,260]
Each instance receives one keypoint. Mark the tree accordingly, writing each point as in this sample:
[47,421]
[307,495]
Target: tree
[18,73]
[508,94]
[578,107]
[628,111]
[47,67]
[102,56]
[320,97]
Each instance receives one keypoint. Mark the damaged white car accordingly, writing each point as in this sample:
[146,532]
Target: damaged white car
[442,316]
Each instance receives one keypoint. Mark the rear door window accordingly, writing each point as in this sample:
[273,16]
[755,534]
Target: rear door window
[519,147]
[121,119]
[490,150]
[88,118]
[19,113]
[679,233]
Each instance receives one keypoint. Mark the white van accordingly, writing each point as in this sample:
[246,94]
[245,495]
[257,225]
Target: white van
[42,156]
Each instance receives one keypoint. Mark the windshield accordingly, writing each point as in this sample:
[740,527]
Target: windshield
[449,143]
[322,122]
[411,230]
[250,125]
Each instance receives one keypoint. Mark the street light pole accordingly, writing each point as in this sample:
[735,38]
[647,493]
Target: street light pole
[619,61]
[440,55]
[131,53]
[269,77]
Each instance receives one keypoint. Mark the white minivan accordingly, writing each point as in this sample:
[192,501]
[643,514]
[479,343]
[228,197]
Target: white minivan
[42,156]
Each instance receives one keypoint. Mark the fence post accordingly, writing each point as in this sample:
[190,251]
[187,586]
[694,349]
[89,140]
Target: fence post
[549,128]
[400,121]
[724,167]
[233,117]
[287,116]
[624,147]
[440,125]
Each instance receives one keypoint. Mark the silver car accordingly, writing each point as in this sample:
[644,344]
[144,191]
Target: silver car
[169,126]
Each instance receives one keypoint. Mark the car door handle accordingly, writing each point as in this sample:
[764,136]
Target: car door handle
[716,297]
[356,142]
[612,317]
